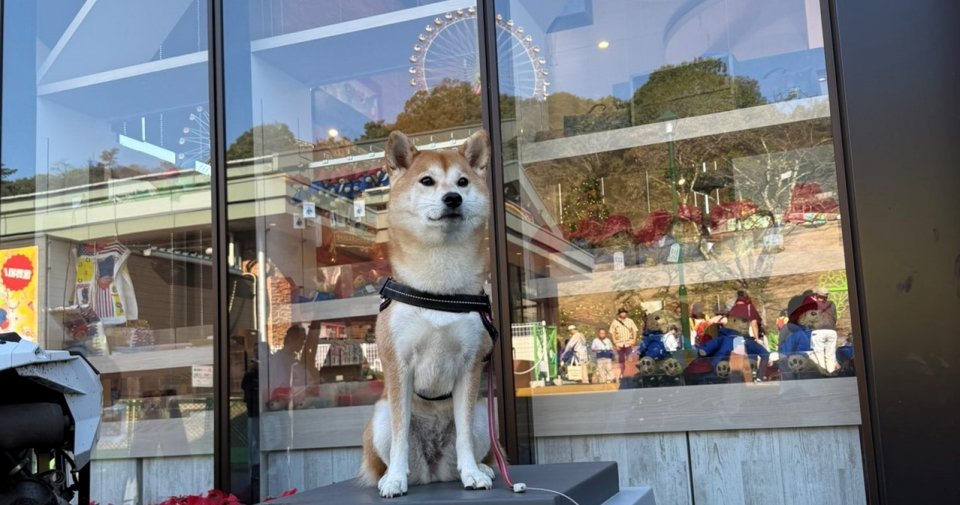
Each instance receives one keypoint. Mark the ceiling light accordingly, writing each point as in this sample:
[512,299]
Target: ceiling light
[603,44]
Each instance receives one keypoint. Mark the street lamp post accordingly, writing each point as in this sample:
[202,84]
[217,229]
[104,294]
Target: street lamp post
[669,120]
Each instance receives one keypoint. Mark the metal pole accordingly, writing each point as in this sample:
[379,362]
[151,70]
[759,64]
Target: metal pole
[218,197]
[684,305]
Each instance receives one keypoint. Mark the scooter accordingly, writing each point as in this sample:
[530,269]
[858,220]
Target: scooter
[49,423]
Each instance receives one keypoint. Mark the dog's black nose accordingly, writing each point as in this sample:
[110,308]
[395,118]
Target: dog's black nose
[452,200]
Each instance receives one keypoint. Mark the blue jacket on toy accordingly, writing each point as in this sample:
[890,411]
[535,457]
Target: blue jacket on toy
[651,346]
[721,347]
[798,341]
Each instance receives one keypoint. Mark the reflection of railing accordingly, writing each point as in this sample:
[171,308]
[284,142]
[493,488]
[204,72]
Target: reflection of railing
[686,128]
[150,427]
[803,254]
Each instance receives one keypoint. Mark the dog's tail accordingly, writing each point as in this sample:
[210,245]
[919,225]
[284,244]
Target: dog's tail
[371,467]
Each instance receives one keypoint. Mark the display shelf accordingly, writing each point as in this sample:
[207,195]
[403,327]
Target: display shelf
[737,406]
[357,25]
[781,404]
[151,438]
[799,258]
[131,71]
[146,360]
[325,310]
[761,116]
[313,428]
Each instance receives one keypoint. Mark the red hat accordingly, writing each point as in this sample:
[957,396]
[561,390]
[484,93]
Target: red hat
[809,303]
[743,311]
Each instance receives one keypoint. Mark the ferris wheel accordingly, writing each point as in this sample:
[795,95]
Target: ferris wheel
[447,51]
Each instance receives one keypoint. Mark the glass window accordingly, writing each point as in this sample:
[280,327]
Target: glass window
[313,89]
[673,222]
[106,192]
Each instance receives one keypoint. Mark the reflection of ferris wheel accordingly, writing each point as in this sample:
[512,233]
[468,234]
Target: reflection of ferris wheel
[196,140]
[448,52]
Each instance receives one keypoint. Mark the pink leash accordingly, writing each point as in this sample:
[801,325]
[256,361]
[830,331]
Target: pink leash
[491,420]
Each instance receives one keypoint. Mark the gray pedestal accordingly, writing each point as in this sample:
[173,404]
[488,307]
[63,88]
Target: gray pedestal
[587,483]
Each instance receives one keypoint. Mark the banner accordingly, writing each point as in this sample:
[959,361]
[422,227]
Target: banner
[18,291]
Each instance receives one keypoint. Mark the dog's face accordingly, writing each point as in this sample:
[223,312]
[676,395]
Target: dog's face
[438,195]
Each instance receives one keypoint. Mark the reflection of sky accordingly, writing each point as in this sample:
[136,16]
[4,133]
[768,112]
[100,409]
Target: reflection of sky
[778,43]
[78,75]
[347,75]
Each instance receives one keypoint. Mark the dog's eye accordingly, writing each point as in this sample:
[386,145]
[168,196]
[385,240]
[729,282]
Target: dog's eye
[463,182]
[427,181]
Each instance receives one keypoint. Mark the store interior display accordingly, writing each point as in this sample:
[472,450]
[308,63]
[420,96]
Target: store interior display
[657,348]
[733,352]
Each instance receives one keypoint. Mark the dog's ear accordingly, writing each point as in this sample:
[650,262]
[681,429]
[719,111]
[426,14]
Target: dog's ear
[399,152]
[477,151]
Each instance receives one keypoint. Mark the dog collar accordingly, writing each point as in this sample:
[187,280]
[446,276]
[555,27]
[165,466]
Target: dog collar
[393,290]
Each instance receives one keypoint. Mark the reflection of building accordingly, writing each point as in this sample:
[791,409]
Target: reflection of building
[112,142]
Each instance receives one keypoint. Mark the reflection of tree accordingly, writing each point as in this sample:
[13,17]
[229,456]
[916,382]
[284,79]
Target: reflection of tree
[263,139]
[374,130]
[11,187]
[786,155]
[448,105]
[62,175]
[691,89]
[749,177]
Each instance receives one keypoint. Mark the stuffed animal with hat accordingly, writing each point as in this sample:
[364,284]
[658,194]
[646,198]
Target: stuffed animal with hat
[794,350]
[655,359]
[734,337]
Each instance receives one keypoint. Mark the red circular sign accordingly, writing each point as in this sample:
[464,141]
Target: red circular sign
[17,272]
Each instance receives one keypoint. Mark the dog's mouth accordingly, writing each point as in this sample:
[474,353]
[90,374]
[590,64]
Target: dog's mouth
[448,216]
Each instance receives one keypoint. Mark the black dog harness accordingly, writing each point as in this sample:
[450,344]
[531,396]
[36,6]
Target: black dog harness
[393,290]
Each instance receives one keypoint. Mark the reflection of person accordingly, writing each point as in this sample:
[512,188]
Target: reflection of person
[602,348]
[671,340]
[624,332]
[285,368]
[575,352]
[697,319]
[756,320]
[251,397]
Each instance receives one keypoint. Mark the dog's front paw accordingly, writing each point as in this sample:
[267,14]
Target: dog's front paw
[487,470]
[391,485]
[476,478]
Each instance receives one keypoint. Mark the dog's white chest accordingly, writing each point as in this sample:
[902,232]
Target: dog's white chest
[438,346]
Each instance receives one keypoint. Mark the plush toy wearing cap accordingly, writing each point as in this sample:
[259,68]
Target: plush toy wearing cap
[808,347]
[654,357]
[733,335]
[805,318]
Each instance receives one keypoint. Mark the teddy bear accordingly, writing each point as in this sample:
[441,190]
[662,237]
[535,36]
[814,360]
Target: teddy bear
[734,338]
[655,359]
[809,347]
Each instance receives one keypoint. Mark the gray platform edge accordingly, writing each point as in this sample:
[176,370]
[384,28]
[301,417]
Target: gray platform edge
[640,495]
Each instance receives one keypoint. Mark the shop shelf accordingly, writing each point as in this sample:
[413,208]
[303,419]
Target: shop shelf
[153,359]
[761,116]
[360,306]
[802,256]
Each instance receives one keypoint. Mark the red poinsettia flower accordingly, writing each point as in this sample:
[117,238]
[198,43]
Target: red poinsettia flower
[614,224]
[289,492]
[654,228]
[588,229]
[689,213]
[741,209]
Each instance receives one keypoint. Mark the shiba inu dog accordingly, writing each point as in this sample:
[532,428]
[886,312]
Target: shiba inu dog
[429,425]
